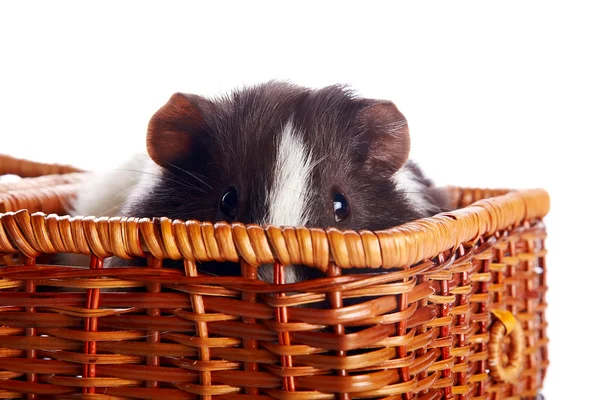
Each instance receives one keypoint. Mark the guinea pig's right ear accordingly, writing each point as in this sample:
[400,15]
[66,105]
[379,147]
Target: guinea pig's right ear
[174,129]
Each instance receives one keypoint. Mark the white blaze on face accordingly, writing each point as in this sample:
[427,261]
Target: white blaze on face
[407,183]
[288,196]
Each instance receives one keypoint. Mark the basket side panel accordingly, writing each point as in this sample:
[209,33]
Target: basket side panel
[518,284]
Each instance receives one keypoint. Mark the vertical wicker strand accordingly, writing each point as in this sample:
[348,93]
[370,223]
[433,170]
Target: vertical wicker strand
[91,325]
[289,384]
[511,272]
[401,350]
[513,288]
[249,271]
[444,311]
[499,298]
[421,329]
[201,328]
[529,326]
[543,339]
[335,300]
[483,327]
[153,336]
[462,321]
[30,288]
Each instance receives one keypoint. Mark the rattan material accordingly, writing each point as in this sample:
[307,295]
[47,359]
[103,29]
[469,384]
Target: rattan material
[28,169]
[419,331]
[49,193]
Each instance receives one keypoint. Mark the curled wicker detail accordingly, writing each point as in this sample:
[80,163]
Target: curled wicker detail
[509,370]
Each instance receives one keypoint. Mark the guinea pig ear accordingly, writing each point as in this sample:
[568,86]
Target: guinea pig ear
[387,137]
[174,129]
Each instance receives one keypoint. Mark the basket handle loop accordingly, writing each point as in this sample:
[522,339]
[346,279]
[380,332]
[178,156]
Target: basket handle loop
[506,325]
[507,319]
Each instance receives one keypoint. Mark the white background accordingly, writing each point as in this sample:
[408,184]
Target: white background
[503,95]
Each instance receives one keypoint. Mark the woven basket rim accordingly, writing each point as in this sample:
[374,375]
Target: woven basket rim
[37,233]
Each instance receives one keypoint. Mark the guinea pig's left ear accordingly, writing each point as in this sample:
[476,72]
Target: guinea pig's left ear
[176,129]
[387,137]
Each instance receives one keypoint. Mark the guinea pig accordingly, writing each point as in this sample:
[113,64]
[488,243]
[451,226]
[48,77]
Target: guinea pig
[277,154]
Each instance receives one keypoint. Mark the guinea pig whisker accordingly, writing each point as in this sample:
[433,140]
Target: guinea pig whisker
[316,162]
[178,181]
[110,210]
[196,177]
[193,175]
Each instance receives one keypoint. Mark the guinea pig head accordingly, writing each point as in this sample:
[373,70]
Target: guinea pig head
[283,155]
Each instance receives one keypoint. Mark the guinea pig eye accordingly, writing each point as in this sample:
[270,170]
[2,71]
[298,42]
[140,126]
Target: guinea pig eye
[229,202]
[341,210]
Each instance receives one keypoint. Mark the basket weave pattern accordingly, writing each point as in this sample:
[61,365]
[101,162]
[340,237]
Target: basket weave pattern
[422,330]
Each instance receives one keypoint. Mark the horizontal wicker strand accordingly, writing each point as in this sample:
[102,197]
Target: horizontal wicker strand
[25,168]
[46,181]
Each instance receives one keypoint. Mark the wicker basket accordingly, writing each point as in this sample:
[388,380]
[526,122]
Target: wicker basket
[462,316]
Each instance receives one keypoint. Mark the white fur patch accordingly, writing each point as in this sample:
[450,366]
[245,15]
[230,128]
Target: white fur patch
[408,183]
[145,178]
[288,196]
[105,192]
